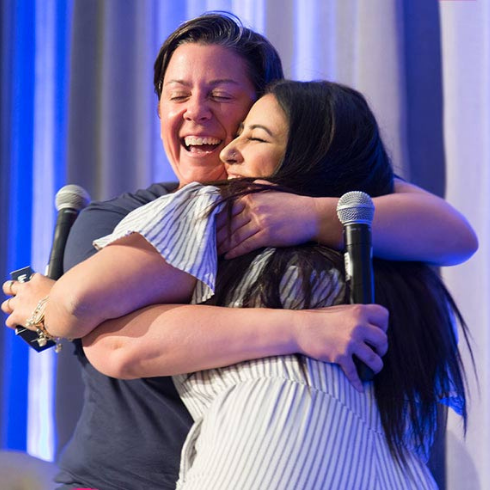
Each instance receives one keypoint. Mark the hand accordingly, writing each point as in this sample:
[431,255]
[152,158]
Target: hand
[267,219]
[336,333]
[24,297]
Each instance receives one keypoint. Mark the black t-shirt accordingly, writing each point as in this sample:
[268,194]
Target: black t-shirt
[130,433]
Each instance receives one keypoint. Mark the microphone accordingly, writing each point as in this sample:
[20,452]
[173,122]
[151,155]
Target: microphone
[69,201]
[355,211]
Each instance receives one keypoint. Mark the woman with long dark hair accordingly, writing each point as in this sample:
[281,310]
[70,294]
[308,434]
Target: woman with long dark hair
[334,146]
[291,421]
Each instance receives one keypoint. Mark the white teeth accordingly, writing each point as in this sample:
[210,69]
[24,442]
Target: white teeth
[197,141]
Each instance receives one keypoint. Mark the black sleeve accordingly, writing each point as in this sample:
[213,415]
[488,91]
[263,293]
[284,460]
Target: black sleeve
[100,218]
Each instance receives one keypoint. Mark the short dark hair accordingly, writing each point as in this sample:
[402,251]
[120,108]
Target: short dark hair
[223,29]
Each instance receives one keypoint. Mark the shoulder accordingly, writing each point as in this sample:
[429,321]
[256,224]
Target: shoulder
[127,202]
[101,217]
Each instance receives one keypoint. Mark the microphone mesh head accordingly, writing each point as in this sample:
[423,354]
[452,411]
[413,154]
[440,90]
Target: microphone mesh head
[355,207]
[73,197]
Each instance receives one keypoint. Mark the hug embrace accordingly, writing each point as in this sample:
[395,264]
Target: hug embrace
[252,322]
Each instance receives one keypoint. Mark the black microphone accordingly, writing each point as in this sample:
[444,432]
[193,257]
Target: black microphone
[355,211]
[70,200]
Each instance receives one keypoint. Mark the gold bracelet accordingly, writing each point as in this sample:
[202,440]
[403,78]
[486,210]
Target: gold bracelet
[37,321]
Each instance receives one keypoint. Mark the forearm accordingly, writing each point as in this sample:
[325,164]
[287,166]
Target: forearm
[421,227]
[174,339]
[114,282]
[410,224]
[169,340]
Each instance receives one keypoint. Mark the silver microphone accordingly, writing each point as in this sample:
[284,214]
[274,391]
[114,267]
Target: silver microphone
[355,211]
[69,201]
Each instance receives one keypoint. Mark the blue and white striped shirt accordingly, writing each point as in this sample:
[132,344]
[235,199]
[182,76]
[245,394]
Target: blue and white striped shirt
[286,422]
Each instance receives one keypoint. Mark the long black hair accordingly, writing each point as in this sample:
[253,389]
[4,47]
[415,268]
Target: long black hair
[334,146]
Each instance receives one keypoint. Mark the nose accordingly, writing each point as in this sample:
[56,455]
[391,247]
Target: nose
[230,154]
[197,109]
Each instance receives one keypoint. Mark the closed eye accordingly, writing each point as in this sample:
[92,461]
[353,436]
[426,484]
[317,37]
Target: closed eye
[221,96]
[177,98]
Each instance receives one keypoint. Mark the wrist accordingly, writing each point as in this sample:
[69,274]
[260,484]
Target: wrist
[37,323]
[287,334]
[275,335]
[328,226]
[311,218]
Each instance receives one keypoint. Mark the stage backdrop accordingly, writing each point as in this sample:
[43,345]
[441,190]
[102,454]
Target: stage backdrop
[77,106]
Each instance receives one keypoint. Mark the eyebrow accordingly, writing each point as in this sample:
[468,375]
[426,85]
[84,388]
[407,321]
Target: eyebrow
[219,81]
[260,126]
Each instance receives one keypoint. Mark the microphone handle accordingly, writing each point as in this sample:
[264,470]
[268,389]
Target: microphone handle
[359,270]
[359,250]
[64,221]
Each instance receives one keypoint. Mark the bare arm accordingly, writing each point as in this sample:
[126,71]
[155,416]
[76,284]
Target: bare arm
[164,340]
[174,339]
[118,280]
[411,224]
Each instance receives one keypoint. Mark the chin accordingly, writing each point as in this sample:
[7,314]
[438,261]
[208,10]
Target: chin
[203,175]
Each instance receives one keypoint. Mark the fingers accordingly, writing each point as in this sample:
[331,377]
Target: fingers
[377,315]
[8,287]
[237,208]
[368,352]
[376,339]
[242,242]
[372,339]
[365,337]
[350,371]
[226,229]
[243,234]
[229,237]
[6,306]
[369,357]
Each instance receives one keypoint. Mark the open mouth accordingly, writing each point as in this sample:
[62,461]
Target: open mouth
[198,144]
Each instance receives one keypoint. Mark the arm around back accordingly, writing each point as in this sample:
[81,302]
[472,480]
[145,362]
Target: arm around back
[174,339]
[410,224]
[123,277]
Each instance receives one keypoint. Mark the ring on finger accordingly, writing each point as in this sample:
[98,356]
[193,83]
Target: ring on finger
[10,284]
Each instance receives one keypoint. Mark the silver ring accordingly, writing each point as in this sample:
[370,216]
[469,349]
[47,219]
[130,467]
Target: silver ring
[11,283]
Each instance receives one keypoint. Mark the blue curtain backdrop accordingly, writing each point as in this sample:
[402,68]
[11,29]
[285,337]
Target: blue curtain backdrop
[34,79]
[77,106]
[17,76]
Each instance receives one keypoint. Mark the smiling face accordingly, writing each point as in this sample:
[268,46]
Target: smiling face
[261,144]
[206,94]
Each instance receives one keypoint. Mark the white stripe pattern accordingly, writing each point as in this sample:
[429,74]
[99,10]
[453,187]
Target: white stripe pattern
[278,423]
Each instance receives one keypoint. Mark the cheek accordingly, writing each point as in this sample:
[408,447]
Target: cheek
[169,114]
[268,163]
[169,127]
[261,166]
[231,118]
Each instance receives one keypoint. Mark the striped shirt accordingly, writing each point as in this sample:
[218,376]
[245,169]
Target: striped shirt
[286,422]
